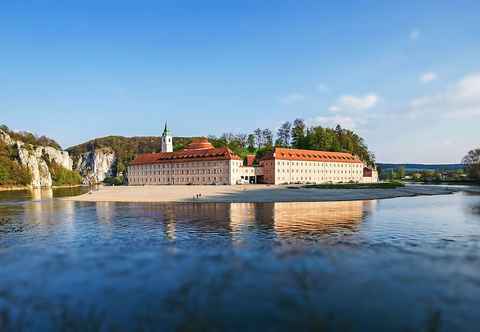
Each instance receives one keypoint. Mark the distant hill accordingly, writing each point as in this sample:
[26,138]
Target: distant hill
[124,148]
[420,167]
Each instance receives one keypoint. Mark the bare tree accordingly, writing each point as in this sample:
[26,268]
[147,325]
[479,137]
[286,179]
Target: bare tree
[267,137]
[258,137]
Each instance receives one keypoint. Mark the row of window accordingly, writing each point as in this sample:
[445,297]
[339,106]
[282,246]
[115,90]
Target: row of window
[183,180]
[322,171]
[314,163]
[177,165]
[314,179]
[177,172]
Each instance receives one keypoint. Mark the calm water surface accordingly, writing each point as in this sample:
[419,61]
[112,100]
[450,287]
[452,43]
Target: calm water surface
[404,264]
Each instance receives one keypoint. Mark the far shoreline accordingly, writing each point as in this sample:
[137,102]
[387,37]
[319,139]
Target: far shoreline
[27,188]
[249,194]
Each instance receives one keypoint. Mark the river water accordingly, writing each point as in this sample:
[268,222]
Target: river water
[403,264]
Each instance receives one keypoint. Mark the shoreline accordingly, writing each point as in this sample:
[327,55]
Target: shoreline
[248,194]
[25,188]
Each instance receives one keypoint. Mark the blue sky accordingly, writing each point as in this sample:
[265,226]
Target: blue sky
[405,75]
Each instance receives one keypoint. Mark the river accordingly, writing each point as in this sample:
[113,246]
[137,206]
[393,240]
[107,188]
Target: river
[402,264]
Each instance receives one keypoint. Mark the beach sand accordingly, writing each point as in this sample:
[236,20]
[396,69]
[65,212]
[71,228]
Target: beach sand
[248,194]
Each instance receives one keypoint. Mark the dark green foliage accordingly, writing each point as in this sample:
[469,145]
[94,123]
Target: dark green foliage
[114,180]
[328,139]
[62,176]
[472,164]
[11,172]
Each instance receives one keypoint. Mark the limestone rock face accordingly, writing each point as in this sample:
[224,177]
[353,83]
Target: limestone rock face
[94,166]
[34,158]
[41,176]
[5,138]
[62,158]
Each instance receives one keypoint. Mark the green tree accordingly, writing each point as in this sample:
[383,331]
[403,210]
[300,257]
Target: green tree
[284,134]
[298,133]
[472,164]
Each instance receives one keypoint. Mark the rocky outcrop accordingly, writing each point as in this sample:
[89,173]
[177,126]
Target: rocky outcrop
[35,159]
[94,166]
[62,158]
[38,167]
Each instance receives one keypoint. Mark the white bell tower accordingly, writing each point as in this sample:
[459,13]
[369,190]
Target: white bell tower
[167,140]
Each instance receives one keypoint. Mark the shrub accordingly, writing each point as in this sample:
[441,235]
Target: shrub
[114,180]
[62,176]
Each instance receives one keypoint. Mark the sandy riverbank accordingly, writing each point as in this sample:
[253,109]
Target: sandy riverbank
[249,194]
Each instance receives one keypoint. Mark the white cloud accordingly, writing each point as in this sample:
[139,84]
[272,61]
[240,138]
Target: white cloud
[346,111]
[428,77]
[331,121]
[414,34]
[292,98]
[354,103]
[461,100]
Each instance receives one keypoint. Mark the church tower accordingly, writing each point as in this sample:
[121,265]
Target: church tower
[167,140]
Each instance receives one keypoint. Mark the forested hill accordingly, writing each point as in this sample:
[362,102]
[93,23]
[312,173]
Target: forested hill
[125,148]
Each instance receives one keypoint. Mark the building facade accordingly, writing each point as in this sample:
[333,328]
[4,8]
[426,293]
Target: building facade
[198,163]
[201,163]
[287,166]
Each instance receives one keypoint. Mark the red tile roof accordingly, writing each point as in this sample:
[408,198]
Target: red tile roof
[199,144]
[185,155]
[312,155]
[250,159]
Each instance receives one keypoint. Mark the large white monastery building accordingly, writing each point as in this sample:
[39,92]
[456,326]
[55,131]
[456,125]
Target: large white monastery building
[201,163]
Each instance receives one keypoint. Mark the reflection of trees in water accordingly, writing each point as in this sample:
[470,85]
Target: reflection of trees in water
[476,209]
[472,207]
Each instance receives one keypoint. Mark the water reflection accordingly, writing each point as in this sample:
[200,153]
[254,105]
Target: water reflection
[241,221]
[320,218]
[419,253]
[41,194]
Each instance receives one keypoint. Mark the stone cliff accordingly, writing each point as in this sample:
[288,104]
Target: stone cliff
[35,159]
[95,165]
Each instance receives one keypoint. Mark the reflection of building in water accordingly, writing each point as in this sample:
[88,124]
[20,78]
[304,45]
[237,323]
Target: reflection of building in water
[186,218]
[240,223]
[319,217]
[242,217]
[291,219]
[105,212]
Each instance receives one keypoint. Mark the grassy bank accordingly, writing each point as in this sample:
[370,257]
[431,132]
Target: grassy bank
[379,185]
